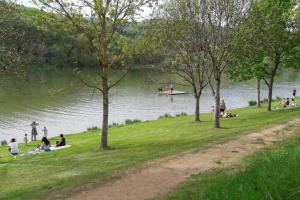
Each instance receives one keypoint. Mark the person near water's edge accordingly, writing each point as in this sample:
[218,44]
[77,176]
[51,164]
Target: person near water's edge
[34,131]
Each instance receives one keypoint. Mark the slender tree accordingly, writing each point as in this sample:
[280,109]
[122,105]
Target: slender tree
[100,21]
[182,37]
[216,22]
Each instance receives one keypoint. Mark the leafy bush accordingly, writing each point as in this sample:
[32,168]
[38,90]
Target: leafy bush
[252,103]
[115,125]
[3,142]
[134,121]
[181,114]
[93,128]
[165,116]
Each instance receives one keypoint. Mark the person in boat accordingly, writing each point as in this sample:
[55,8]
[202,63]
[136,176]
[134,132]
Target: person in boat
[34,132]
[222,107]
[171,88]
[62,141]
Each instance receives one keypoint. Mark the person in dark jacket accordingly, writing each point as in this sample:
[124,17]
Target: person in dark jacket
[62,141]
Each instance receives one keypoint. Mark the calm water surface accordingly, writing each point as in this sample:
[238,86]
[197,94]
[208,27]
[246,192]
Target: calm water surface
[74,110]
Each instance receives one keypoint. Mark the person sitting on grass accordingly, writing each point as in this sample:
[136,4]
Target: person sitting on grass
[283,102]
[287,103]
[293,103]
[62,141]
[13,147]
[45,144]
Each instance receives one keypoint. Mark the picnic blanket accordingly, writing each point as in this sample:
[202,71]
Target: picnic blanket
[59,148]
[53,148]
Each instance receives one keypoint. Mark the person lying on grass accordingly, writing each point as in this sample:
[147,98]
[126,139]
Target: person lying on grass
[13,147]
[228,115]
[62,141]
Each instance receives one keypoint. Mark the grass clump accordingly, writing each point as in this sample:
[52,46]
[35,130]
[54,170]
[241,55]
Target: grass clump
[3,143]
[252,103]
[181,114]
[165,116]
[93,128]
[132,121]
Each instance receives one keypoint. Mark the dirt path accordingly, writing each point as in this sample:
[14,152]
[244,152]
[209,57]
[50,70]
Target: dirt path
[159,177]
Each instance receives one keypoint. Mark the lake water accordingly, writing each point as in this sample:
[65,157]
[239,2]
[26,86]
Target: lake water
[74,110]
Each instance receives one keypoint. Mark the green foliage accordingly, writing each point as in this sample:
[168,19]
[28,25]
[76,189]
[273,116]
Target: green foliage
[3,143]
[165,116]
[252,103]
[132,121]
[267,32]
[181,114]
[93,128]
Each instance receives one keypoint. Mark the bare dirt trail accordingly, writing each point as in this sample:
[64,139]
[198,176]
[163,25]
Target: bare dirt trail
[159,177]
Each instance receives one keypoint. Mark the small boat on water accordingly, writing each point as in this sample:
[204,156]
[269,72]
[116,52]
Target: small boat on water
[170,92]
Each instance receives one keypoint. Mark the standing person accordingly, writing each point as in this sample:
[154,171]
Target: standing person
[13,147]
[45,131]
[34,131]
[26,139]
[222,107]
[294,92]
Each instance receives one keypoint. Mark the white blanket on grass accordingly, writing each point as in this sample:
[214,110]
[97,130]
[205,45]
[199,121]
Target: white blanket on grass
[32,152]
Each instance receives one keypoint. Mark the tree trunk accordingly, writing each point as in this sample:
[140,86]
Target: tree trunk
[217,104]
[197,108]
[104,144]
[271,83]
[270,94]
[258,93]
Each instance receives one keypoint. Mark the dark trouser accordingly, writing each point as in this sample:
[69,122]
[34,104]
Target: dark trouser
[33,134]
[33,137]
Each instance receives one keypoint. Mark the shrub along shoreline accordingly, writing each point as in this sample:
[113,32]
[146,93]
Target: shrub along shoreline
[30,177]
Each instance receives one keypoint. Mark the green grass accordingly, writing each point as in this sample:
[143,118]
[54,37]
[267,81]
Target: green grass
[31,177]
[269,174]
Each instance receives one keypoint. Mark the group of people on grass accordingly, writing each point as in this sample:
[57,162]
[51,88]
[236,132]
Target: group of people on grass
[45,145]
[289,102]
[222,110]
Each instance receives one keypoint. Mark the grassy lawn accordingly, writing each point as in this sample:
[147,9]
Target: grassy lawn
[30,177]
[269,174]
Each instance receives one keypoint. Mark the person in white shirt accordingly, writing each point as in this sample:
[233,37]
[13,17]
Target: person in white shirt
[13,147]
